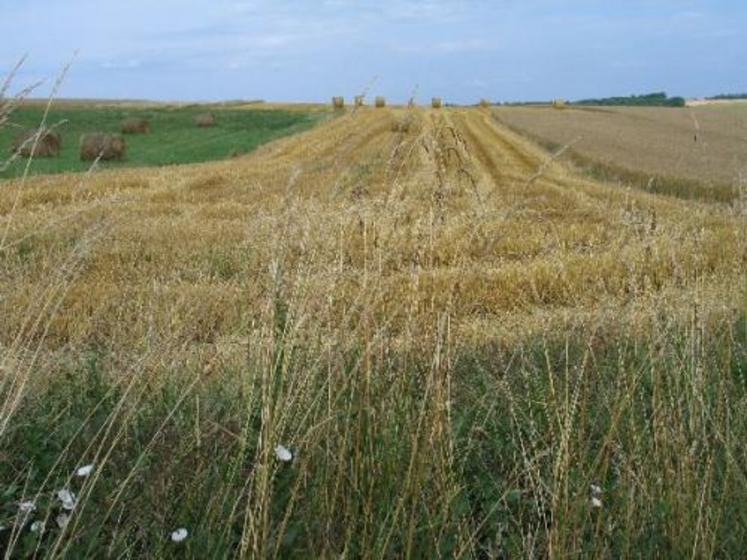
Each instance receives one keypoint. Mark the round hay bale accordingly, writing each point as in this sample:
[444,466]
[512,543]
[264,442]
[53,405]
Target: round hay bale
[437,102]
[34,142]
[205,120]
[380,102]
[559,103]
[102,145]
[485,103]
[338,102]
[135,126]
[359,100]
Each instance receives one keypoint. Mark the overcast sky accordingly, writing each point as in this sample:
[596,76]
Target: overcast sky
[313,49]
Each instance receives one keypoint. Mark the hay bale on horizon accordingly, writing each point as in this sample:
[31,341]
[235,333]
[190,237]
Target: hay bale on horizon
[48,144]
[359,100]
[205,120]
[338,102]
[485,103]
[559,103]
[437,102]
[380,102]
[103,145]
[135,126]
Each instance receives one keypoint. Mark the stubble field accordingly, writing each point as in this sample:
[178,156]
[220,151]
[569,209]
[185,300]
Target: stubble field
[695,152]
[468,349]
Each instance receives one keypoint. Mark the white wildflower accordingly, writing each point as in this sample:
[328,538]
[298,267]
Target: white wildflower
[179,535]
[62,520]
[26,507]
[596,490]
[37,527]
[67,498]
[84,470]
[283,453]
[596,502]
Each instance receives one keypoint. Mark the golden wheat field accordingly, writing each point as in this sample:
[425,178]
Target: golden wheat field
[454,334]
[706,143]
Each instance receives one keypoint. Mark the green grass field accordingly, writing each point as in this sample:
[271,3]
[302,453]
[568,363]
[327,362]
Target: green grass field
[173,139]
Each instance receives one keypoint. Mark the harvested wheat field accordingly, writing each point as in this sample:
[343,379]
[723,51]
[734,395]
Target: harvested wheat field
[694,152]
[374,340]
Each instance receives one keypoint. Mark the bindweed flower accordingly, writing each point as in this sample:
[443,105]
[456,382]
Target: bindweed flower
[179,535]
[283,453]
[26,507]
[596,496]
[84,470]
[62,520]
[67,498]
[37,527]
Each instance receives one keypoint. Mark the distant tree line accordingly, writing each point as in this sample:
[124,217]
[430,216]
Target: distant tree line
[728,96]
[656,99]
[523,103]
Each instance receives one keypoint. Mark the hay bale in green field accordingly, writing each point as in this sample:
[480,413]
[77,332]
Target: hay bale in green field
[102,145]
[135,126]
[34,142]
[205,120]
[338,102]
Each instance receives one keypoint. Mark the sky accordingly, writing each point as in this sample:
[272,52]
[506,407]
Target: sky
[304,50]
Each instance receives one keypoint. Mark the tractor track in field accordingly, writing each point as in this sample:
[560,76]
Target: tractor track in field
[501,157]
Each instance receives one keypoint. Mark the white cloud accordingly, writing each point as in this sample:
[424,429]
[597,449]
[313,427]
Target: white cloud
[430,11]
[243,7]
[272,41]
[121,64]
[445,47]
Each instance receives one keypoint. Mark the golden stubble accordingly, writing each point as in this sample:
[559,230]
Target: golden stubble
[360,217]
